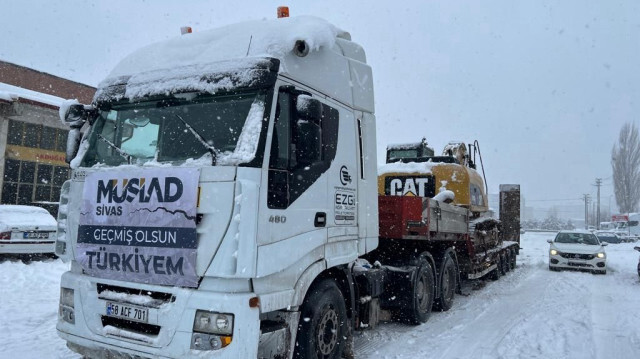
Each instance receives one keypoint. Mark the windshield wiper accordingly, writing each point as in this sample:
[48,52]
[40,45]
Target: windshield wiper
[214,152]
[118,149]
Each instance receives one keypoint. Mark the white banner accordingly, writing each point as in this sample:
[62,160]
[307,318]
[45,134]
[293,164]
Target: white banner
[140,225]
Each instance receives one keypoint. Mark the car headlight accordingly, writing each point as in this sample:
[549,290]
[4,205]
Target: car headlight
[600,255]
[553,252]
[214,323]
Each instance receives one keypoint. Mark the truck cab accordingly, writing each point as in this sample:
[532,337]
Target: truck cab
[217,178]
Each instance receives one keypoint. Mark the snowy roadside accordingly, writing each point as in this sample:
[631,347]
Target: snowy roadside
[29,302]
[530,313]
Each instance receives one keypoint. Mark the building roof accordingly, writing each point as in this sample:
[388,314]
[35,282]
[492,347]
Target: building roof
[43,83]
[10,93]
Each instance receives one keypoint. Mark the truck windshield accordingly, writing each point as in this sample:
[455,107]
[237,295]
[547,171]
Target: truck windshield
[174,130]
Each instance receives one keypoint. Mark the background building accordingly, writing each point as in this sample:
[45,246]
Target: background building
[32,137]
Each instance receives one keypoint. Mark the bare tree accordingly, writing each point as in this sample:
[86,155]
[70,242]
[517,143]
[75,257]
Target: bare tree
[625,162]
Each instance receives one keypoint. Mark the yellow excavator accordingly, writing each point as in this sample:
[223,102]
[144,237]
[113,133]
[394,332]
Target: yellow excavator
[412,169]
[453,211]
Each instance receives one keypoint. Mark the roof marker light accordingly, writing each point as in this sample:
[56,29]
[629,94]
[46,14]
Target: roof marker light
[185,30]
[283,11]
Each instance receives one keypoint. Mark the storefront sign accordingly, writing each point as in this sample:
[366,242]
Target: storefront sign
[35,155]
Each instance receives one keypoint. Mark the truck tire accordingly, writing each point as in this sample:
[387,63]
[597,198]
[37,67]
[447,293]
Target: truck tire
[420,301]
[447,284]
[495,274]
[323,323]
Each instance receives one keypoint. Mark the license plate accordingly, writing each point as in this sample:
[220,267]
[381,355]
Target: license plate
[36,235]
[128,311]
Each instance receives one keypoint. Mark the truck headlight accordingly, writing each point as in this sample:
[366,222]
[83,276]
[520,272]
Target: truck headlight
[601,255]
[212,322]
[553,252]
[211,330]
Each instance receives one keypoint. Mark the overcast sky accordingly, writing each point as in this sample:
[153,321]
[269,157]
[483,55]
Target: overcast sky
[544,86]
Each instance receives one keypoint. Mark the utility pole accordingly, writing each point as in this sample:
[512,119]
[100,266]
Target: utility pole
[598,184]
[586,210]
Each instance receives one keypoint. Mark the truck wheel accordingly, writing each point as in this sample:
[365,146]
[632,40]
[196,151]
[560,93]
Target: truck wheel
[495,274]
[323,323]
[420,302]
[447,285]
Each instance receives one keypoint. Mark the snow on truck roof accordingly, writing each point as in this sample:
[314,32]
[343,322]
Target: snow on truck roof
[263,38]
[179,63]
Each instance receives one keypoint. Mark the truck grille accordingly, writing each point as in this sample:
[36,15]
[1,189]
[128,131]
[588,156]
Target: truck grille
[136,327]
[577,256]
[156,298]
[127,329]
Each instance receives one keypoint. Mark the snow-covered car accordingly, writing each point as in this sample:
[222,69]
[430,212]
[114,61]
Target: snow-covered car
[577,250]
[26,230]
[609,237]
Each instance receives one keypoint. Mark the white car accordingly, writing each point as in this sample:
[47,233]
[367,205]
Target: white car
[577,250]
[26,230]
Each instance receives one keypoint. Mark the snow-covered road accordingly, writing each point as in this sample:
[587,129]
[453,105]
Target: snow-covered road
[530,313]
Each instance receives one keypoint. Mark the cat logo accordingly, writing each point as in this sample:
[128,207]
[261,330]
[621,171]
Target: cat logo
[422,186]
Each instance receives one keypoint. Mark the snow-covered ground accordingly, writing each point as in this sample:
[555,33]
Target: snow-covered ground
[530,313]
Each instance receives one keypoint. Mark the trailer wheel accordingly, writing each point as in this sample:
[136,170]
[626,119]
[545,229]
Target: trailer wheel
[512,264]
[495,274]
[420,301]
[447,285]
[323,323]
[503,264]
[507,261]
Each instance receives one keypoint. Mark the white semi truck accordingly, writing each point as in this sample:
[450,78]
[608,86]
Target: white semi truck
[224,202]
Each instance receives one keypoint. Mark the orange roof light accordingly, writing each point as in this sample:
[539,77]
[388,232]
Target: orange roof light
[186,30]
[283,11]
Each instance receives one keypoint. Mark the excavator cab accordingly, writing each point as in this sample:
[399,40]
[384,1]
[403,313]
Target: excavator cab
[410,152]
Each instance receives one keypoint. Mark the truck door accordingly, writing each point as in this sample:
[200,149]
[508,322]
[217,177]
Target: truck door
[294,208]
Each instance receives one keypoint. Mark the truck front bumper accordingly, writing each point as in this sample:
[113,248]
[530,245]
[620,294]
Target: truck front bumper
[174,320]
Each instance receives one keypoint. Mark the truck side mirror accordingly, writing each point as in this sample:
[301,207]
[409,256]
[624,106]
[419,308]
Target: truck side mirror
[76,115]
[549,240]
[637,248]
